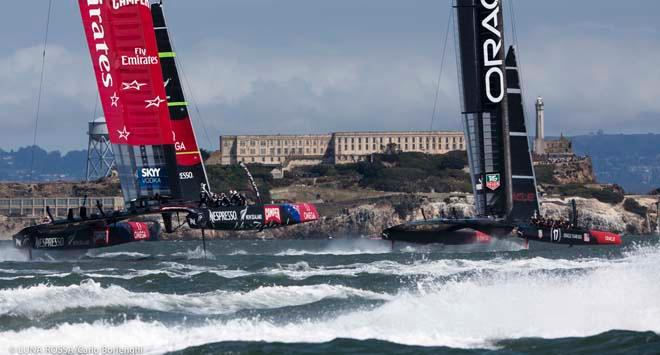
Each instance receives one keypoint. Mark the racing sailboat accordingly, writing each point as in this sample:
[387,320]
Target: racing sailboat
[501,170]
[160,167]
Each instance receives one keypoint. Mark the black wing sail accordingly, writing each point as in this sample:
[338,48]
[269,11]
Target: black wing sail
[481,57]
[190,167]
[524,196]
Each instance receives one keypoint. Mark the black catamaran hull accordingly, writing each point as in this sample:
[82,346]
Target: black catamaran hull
[251,217]
[472,231]
[85,236]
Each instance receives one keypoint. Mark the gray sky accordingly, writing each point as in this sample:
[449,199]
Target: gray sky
[294,66]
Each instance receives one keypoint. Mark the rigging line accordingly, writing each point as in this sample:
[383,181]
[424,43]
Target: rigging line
[41,85]
[442,65]
[514,29]
[190,91]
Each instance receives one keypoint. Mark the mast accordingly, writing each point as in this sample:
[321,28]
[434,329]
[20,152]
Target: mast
[485,104]
[189,163]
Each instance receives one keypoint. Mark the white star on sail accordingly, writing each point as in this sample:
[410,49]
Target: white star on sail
[132,85]
[115,100]
[123,134]
[155,102]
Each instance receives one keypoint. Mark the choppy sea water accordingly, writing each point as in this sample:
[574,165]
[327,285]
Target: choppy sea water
[336,296]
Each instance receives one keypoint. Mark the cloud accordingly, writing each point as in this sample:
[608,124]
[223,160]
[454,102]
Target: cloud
[67,102]
[593,77]
[263,91]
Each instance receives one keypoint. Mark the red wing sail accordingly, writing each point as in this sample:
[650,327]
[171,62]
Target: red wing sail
[125,57]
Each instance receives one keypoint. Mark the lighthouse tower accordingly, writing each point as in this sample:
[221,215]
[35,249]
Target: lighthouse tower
[539,141]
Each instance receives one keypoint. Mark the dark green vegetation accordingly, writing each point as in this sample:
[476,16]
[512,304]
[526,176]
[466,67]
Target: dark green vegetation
[48,166]
[633,206]
[399,172]
[403,172]
[544,174]
[608,194]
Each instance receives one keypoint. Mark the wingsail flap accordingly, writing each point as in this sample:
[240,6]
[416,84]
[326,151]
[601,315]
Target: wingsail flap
[482,72]
[190,167]
[524,195]
[122,44]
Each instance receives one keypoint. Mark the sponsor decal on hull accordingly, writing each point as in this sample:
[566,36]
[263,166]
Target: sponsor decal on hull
[53,242]
[140,230]
[272,214]
[224,216]
[307,212]
[250,217]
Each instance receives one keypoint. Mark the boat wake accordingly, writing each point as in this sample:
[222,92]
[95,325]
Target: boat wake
[344,247]
[473,308]
[42,300]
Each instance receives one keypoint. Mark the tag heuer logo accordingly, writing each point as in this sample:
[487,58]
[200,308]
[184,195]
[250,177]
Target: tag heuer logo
[493,181]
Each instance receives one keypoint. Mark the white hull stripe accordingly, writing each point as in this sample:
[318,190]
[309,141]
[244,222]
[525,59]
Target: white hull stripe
[513,91]
[511,68]
[518,134]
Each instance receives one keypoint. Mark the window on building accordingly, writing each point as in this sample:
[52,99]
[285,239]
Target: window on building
[300,151]
[352,140]
[272,151]
[279,152]
[454,146]
[307,150]
[413,146]
[447,146]
[286,151]
[359,146]
[242,143]
[406,146]
[461,146]
[433,146]
[373,146]
[359,139]
[314,150]
[263,151]
[406,139]
[352,146]
[345,146]
[253,159]
[242,151]
[398,139]
[453,139]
